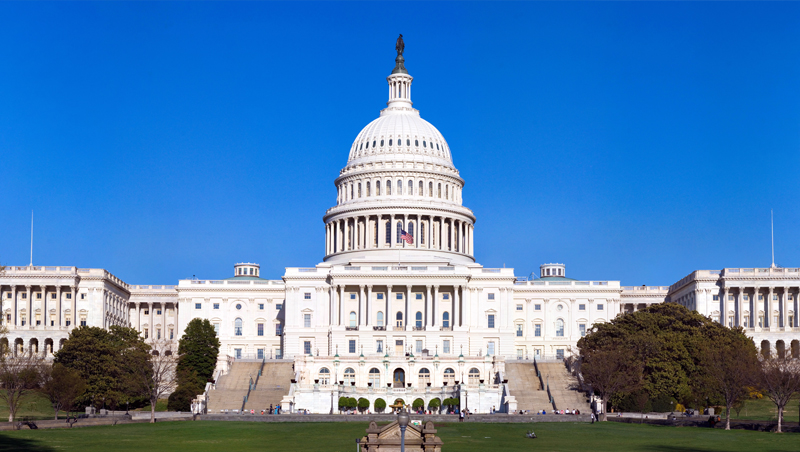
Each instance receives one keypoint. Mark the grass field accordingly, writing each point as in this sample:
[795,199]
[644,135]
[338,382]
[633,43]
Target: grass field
[36,406]
[335,437]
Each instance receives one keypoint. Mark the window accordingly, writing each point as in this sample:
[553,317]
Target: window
[216,329]
[424,143]
[416,143]
[581,307]
[261,306]
[158,330]
[278,306]
[446,296]
[24,296]
[171,334]
[379,346]
[774,297]
[324,373]
[559,328]
[446,319]
[83,296]
[352,319]
[147,311]
[380,296]
[52,296]
[422,234]
[430,189]
[307,296]
[560,353]
[418,346]
[716,298]
[378,188]
[600,306]
[537,307]
[69,296]
[238,306]
[730,297]
[537,330]
[410,188]
[351,346]
[260,353]
[146,333]
[419,296]
[83,323]
[490,321]
[474,376]
[216,305]
[399,318]
[418,319]
[491,296]
[389,188]
[760,297]
[390,142]
[399,232]
[408,142]
[399,296]
[519,330]
[374,377]
[519,307]
[490,348]
[389,232]
[368,191]
[582,329]
[306,320]
[446,346]
[380,318]
[349,376]
[359,184]
[449,376]
[440,190]
[419,191]
[198,305]
[746,297]
[730,321]
[237,329]
[307,347]
[277,329]
[237,353]
[424,377]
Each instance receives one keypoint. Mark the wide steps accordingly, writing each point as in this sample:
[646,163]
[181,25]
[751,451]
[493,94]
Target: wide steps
[564,387]
[231,388]
[524,385]
[272,386]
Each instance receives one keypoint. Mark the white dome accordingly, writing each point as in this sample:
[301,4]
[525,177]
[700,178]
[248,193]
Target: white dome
[420,141]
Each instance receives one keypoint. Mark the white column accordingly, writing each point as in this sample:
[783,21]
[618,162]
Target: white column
[381,232]
[451,230]
[347,241]
[784,308]
[387,315]
[456,310]
[339,306]
[428,305]
[770,308]
[361,304]
[723,306]
[29,307]
[45,316]
[392,231]
[14,306]
[418,233]
[163,320]
[434,305]
[59,313]
[151,320]
[368,310]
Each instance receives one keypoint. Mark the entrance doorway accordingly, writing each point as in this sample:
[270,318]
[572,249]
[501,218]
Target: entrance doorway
[399,378]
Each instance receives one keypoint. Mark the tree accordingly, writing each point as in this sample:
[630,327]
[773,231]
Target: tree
[380,405]
[156,378]
[434,404]
[19,375]
[198,350]
[363,404]
[417,404]
[109,361]
[728,366]
[610,370]
[780,378]
[62,386]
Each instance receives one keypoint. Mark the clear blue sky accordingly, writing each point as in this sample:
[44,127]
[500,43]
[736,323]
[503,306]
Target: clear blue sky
[630,141]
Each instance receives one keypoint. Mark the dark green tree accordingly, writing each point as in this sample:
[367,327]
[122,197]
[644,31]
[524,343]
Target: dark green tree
[62,386]
[417,404]
[380,405]
[363,404]
[198,349]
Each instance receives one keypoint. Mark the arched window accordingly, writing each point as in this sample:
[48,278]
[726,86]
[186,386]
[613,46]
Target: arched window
[418,319]
[559,328]
[381,143]
[361,147]
[390,141]
[349,376]
[422,233]
[367,144]
[399,231]
[411,229]
[374,377]
[380,318]
[410,188]
[368,191]
[351,191]
[378,188]
[424,144]
[388,188]
[416,143]
[324,376]
[399,318]
[440,190]
[474,376]
[419,192]
[424,377]
[446,319]
[359,189]
[446,192]
[373,143]
[437,146]
[399,187]
[353,319]
[430,189]
[408,142]
[237,327]
[450,376]
[389,232]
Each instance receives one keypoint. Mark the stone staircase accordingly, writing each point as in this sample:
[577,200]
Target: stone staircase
[524,385]
[272,386]
[563,387]
[231,388]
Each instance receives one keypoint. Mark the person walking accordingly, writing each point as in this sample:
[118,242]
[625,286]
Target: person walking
[461,417]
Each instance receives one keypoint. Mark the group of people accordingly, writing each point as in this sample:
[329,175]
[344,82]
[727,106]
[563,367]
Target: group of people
[567,411]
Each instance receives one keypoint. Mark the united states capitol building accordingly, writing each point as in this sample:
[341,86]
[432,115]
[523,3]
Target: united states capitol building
[398,307]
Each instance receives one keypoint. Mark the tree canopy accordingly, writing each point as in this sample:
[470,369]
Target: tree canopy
[198,350]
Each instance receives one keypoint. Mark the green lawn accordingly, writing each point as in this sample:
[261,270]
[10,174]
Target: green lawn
[765,410]
[34,405]
[244,436]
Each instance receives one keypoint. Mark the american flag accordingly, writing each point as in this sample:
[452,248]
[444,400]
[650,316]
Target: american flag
[407,237]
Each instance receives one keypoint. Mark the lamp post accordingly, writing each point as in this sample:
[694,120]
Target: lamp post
[402,420]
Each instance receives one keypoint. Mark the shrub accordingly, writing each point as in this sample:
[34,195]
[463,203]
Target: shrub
[343,402]
[434,403]
[417,404]
[380,405]
[363,404]
[352,402]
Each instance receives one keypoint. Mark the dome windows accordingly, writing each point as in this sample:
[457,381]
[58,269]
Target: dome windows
[437,146]
[373,143]
[381,143]
[424,144]
[416,143]
[408,142]
[361,147]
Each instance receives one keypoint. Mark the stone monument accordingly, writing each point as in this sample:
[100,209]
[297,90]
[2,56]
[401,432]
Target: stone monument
[387,438]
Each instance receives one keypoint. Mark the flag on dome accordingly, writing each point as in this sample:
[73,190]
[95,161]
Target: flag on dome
[406,236]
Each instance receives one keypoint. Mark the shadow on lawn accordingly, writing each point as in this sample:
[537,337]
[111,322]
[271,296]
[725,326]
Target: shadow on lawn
[10,443]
